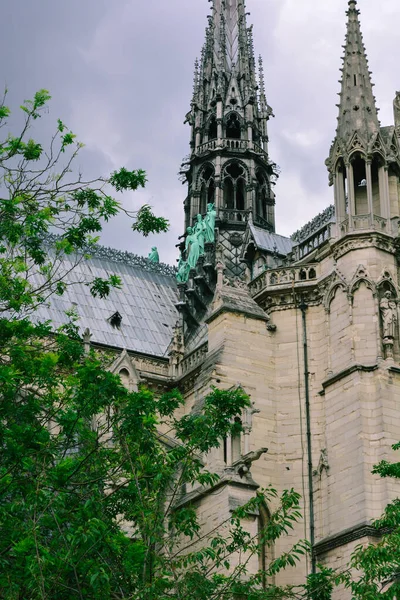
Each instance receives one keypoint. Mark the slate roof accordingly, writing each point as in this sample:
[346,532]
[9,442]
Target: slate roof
[146,302]
[271,241]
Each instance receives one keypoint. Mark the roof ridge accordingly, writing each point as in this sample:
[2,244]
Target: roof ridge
[312,226]
[122,256]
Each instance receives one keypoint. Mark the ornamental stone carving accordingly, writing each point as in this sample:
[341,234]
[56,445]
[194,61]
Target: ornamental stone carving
[396,106]
[389,321]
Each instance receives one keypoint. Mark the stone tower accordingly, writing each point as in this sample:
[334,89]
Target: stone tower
[229,164]
[363,160]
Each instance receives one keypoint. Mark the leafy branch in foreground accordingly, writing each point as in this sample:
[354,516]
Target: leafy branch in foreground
[90,488]
[39,194]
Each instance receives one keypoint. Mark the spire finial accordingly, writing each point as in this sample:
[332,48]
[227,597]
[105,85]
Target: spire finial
[357,108]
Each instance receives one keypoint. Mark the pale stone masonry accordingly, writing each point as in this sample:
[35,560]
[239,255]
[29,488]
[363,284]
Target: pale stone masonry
[308,326]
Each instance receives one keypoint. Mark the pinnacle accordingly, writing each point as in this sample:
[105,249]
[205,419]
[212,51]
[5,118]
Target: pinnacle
[357,110]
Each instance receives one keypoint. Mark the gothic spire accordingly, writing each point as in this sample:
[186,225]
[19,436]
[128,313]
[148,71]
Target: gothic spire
[228,40]
[357,108]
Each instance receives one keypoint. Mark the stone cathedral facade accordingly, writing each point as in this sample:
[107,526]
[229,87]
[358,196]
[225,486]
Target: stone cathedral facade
[307,325]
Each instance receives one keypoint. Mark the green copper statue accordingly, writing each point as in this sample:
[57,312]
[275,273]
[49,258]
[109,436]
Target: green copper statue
[183,271]
[153,256]
[192,247]
[199,230]
[209,221]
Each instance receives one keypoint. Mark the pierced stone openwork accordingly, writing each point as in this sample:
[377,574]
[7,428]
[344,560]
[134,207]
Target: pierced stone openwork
[234,189]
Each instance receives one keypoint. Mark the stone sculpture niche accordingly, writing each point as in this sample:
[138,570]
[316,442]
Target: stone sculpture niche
[389,322]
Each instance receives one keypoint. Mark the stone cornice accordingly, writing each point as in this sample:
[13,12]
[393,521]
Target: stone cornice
[347,536]
[201,492]
[345,373]
[366,239]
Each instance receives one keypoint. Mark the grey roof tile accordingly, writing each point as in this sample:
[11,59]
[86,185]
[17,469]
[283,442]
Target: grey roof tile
[146,302]
[271,241]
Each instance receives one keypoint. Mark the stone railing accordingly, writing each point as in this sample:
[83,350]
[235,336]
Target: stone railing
[362,222]
[259,220]
[192,360]
[283,277]
[233,216]
[233,144]
[313,242]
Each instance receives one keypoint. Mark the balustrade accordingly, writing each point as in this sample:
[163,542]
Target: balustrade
[233,144]
[233,215]
[279,277]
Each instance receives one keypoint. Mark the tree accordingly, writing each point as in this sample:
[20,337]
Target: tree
[88,483]
[379,564]
[39,194]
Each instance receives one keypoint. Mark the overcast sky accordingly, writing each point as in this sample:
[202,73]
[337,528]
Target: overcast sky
[120,73]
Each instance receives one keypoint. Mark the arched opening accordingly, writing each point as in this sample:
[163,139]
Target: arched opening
[229,193]
[237,443]
[264,202]
[233,127]
[376,191]
[211,193]
[234,186]
[240,191]
[342,204]
[213,129]
[203,198]
[256,135]
[360,186]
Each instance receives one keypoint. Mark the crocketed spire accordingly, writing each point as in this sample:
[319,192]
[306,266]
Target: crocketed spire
[357,108]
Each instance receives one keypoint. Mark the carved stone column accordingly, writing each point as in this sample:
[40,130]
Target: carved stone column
[369,193]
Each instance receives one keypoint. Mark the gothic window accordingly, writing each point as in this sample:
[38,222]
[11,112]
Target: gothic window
[376,192]
[229,193]
[211,192]
[240,192]
[233,127]
[235,189]
[256,135]
[360,187]
[262,197]
[213,129]
[236,443]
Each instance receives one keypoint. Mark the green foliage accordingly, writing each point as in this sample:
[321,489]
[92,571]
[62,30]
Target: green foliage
[83,462]
[41,197]
[147,222]
[93,476]
[128,180]
[379,564]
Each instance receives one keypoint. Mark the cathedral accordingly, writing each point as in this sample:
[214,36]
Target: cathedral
[307,325]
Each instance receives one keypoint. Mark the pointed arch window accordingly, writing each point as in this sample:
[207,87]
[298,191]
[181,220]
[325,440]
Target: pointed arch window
[213,129]
[234,185]
[233,129]
[263,197]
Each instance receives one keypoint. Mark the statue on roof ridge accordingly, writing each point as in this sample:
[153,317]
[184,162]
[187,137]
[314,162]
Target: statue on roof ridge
[153,256]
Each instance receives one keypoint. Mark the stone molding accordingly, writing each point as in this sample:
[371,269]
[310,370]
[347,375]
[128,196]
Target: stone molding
[345,373]
[231,480]
[358,241]
[347,536]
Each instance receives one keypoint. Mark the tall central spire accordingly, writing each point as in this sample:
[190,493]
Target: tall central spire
[228,20]
[229,166]
[357,109]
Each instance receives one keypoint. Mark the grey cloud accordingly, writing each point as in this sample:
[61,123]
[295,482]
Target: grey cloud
[121,76]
